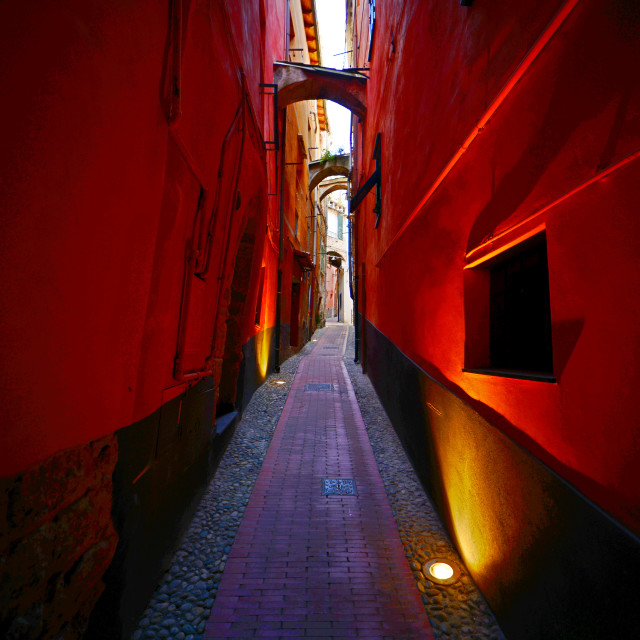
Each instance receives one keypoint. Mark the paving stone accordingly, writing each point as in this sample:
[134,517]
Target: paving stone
[423,534]
[317,515]
[203,550]
[218,518]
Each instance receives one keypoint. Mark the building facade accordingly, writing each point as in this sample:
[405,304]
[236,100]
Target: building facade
[495,262]
[164,246]
[306,135]
[339,301]
[153,198]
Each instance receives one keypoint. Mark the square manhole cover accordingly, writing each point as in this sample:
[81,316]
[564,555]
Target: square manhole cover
[339,487]
[318,386]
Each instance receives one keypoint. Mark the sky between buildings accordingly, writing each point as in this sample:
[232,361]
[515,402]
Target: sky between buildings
[331,15]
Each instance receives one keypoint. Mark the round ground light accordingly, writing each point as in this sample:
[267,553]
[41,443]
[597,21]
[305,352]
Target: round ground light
[441,571]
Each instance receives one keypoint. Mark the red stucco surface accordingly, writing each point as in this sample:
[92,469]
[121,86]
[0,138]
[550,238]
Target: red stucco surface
[435,70]
[100,200]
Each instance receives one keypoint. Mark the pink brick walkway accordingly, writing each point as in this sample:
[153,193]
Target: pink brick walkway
[305,565]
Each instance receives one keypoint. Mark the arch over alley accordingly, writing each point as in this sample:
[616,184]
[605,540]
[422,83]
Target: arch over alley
[298,82]
[326,189]
[319,170]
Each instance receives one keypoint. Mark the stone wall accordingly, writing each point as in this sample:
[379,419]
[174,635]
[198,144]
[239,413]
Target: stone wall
[56,541]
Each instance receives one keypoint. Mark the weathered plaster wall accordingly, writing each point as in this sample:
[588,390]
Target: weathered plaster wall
[574,113]
[99,201]
[132,150]
[559,153]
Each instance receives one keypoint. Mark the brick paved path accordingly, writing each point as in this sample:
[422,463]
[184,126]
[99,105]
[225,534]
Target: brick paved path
[306,565]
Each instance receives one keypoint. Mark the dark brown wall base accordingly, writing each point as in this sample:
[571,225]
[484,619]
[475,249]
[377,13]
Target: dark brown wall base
[251,375]
[285,336]
[56,541]
[550,563]
[163,468]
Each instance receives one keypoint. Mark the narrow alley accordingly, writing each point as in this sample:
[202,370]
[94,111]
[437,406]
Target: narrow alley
[319,318]
[299,559]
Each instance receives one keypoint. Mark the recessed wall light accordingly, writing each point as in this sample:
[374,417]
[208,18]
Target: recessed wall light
[441,571]
[280,382]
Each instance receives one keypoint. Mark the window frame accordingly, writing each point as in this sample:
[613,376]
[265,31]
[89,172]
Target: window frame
[372,27]
[480,320]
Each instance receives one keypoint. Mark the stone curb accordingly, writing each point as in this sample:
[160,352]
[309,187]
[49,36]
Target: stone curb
[456,611]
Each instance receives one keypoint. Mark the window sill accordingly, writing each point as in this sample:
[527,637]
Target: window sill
[535,376]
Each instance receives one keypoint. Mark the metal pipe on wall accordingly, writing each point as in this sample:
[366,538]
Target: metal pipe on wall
[353,238]
[287,35]
[193,253]
[276,366]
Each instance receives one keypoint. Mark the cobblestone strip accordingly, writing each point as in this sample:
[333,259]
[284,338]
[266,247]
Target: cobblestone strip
[308,565]
[183,600]
[457,611]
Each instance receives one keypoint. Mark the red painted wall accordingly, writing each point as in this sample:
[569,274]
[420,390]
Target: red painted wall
[574,113]
[99,201]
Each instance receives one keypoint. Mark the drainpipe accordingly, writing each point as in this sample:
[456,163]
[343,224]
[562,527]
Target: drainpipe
[287,35]
[350,259]
[349,252]
[175,101]
[287,44]
[194,253]
[276,366]
[356,355]
[312,303]
[315,229]
[340,293]
[353,264]
[326,233]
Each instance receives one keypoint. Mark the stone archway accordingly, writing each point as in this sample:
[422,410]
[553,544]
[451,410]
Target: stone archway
[319,170]
[336,258]
[298,82]
[330,188]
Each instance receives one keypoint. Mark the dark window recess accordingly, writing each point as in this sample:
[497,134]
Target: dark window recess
[520,317]
[372,25]
[259,301]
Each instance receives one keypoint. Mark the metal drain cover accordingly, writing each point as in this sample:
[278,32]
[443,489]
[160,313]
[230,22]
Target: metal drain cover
[330,347]
[339,487]
[318,386]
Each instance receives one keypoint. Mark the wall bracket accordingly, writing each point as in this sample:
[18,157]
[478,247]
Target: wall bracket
[375,179]
[276,133]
